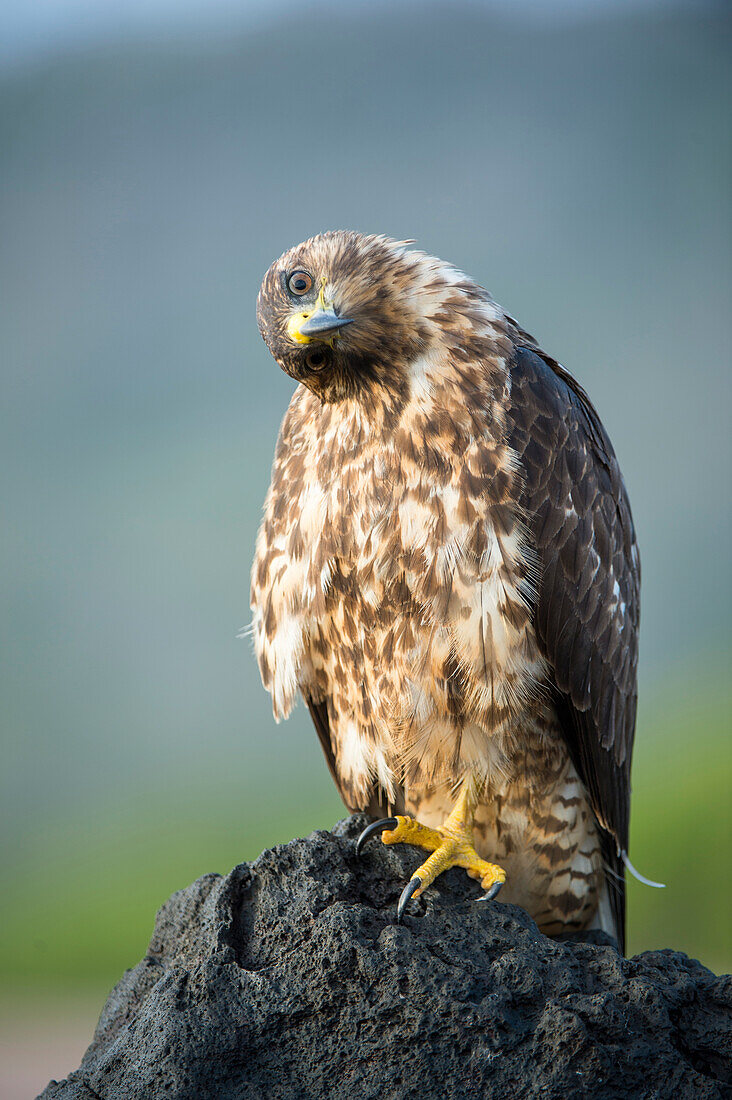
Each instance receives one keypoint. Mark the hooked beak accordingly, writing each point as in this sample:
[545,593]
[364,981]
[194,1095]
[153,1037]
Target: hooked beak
[322,323]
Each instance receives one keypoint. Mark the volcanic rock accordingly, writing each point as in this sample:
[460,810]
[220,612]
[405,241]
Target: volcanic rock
[289,978]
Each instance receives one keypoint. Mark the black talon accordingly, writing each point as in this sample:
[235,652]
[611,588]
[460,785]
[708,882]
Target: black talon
[375,827]
[409,889]
[489,895]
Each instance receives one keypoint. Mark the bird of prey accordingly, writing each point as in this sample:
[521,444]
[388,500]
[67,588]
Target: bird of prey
[447,573]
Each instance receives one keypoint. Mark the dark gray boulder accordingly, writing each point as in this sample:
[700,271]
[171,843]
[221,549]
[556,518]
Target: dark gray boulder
[289,978]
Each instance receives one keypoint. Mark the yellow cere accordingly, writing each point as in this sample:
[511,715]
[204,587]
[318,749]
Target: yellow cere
[293,327]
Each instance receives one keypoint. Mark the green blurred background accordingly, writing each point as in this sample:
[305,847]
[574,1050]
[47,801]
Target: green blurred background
[573,158]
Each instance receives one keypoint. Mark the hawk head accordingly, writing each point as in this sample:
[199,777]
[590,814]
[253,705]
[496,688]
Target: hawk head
[347,314]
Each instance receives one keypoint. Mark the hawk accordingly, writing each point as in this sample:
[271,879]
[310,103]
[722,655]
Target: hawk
[447,573]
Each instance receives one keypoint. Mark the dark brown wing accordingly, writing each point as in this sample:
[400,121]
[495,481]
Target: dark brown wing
[377,805]
[589,598]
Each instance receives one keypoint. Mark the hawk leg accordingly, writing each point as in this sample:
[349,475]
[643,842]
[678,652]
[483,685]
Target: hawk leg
[451,845]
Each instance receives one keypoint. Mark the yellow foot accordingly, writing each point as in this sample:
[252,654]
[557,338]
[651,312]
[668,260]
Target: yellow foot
[451,845]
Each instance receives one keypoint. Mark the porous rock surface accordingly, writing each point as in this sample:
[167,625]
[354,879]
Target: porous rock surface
[289,978]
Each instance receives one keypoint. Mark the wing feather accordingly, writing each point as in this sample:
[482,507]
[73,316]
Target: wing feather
[589,600]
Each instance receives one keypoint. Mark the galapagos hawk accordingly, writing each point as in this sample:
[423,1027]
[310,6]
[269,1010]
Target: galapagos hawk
[447,572]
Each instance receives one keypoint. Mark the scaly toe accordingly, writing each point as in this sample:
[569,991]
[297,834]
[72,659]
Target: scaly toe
[449,846]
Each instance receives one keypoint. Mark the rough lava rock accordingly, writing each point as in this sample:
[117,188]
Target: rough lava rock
[289,978]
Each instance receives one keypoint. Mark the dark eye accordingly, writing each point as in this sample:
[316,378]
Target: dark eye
[316,359]
[299,283]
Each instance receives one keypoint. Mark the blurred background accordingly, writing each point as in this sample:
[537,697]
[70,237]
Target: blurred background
[573,157]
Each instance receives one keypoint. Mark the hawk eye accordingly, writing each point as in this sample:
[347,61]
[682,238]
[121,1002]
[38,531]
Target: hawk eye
[299,283]
[316,359]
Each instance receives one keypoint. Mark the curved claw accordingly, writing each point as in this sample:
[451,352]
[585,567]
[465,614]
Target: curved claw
[489,895]
[413,885]
[375,827]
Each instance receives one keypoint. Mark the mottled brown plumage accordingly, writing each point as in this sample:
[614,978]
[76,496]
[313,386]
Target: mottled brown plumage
[447,570]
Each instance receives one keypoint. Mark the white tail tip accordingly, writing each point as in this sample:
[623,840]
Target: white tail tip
[639,876]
